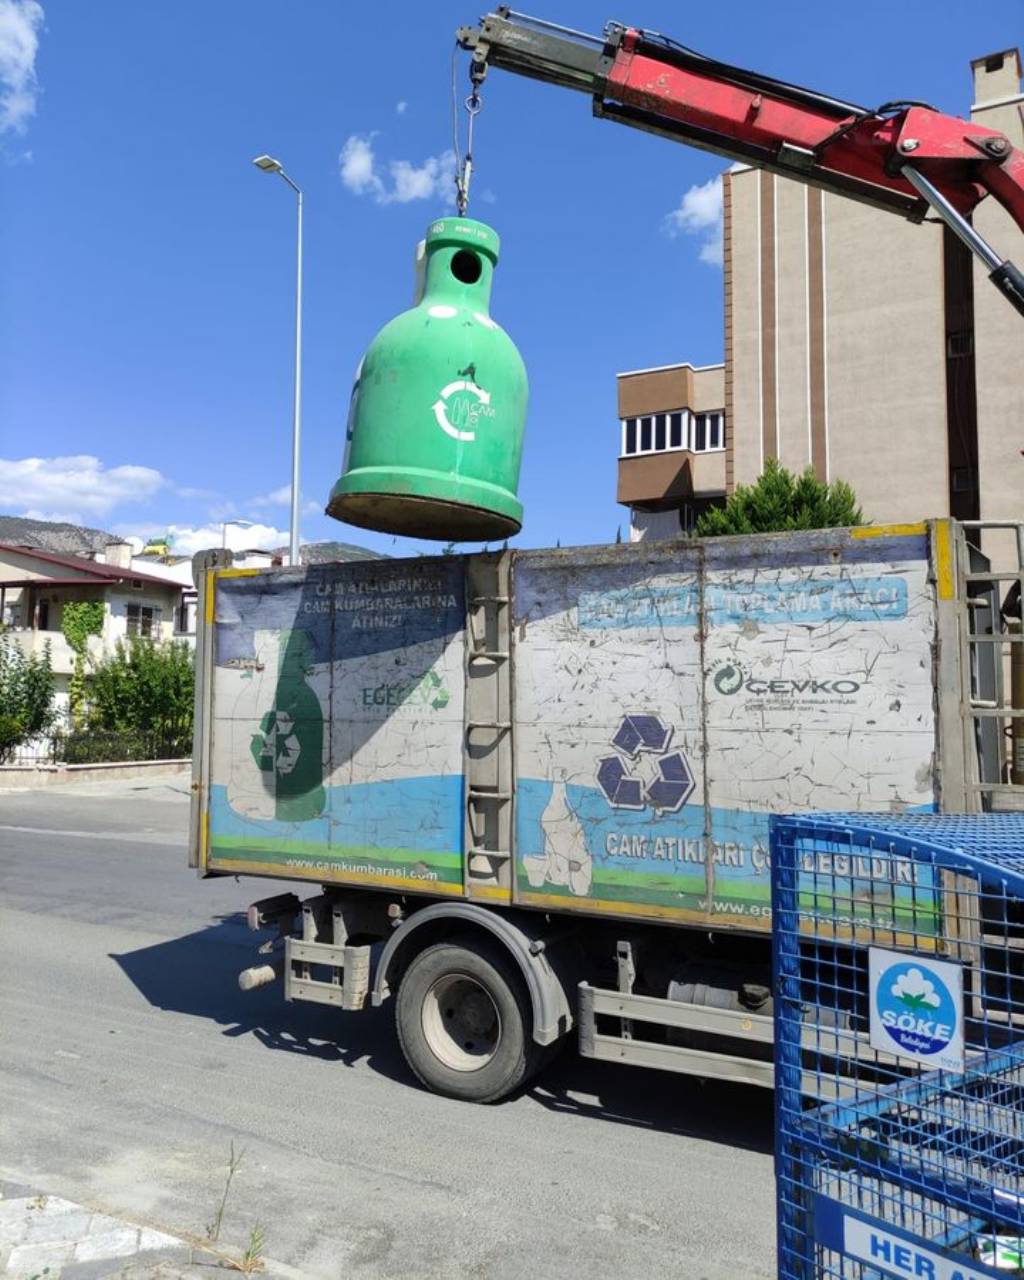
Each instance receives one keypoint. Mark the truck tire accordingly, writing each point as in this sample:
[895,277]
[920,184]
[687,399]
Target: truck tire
[464,1022]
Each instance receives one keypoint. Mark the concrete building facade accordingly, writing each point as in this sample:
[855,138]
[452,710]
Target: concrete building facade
[869,348]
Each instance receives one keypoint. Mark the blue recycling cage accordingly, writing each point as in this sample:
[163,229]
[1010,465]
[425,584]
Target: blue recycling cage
[899,1064]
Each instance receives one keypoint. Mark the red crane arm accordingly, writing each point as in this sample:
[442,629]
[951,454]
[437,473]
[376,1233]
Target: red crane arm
[965,161]
[903,157]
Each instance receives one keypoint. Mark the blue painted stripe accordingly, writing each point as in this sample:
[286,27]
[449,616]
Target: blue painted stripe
[407,813]
[846,599]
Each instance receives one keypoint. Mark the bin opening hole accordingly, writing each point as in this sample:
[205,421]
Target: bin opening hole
[466,267]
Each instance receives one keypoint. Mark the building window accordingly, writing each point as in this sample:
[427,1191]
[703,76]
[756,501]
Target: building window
[143,620]
[676,437]
[677,429]
[708,432]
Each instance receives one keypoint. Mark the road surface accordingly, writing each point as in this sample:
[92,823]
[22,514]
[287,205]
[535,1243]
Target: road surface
[130,1063]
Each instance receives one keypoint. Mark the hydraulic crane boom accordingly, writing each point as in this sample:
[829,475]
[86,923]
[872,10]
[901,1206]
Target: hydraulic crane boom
[904,157]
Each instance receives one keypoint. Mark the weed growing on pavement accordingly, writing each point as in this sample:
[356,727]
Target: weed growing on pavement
[252,1259]
[213,1229]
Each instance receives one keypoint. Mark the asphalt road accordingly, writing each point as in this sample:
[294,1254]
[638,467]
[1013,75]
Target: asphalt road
[130,1063]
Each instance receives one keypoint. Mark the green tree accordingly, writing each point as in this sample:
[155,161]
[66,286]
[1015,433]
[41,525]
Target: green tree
[26,695]
[80,619]
[146,690]
[779,502]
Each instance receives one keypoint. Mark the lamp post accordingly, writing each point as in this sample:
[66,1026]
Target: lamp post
[269,165]
[242,524]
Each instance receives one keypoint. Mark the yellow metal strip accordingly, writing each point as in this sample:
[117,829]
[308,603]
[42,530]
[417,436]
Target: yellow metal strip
[204,839]
[944,560]
[889,530]
[493,892]
[237,573]
[211,595]
[324,876]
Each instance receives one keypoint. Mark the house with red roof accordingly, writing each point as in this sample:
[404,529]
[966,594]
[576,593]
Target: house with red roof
[36,584]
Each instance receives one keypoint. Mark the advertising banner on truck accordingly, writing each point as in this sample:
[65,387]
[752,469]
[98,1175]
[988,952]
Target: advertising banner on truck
[337,724]
[665,708]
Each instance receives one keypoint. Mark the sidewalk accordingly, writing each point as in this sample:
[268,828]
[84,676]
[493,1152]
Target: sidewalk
[44,1237]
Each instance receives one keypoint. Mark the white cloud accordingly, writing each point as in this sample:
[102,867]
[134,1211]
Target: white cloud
[78,488]
[275,498]
[359,171]
[187,539]
[189,491]
[400,108]
[20,21]
[700,214]
[282,497]
[356,166]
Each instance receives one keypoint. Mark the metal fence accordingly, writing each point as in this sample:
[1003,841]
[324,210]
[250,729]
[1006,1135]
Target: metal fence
[899,1023]
[102,746]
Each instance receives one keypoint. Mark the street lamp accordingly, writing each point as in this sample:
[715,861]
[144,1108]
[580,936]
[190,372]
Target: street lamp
[242,524]
[269,165]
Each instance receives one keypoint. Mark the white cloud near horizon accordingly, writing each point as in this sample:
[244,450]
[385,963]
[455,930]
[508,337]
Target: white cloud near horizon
[282,497]
[700,214]
[360,172]
[76,488]
[20,21]
[187,539]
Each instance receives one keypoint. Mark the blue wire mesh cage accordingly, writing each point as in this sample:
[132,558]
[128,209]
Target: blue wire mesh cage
[899,1025]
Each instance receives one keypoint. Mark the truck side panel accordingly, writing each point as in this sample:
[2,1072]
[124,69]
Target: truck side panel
[668,700]
[605,712]
[820,693]
[337,724]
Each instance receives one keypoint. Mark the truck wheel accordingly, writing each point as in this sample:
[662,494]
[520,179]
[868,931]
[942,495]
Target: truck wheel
[464,1022]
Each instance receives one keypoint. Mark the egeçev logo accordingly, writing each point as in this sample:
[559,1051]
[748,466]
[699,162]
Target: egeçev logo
[916,1008]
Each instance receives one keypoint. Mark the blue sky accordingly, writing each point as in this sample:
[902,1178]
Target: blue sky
[146,267]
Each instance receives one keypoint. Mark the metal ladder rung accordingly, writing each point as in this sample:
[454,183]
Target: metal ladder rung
[494,655]
[490,600]
[500,796]
[491,853]
[488,724]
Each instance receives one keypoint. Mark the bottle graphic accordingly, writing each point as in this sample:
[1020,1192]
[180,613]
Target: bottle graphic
[289,747]
[566,860]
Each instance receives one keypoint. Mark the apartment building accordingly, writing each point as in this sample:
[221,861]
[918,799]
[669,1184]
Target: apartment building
[869,348]
[672,448]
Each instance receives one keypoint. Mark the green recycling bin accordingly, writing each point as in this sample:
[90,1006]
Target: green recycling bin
[435,428]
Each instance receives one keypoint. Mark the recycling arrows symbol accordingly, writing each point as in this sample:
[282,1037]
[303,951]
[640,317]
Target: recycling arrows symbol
[651,775]
[440,407]
[280,747]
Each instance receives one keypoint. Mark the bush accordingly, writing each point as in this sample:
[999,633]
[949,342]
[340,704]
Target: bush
[143,692]
[26,696]
[779,502]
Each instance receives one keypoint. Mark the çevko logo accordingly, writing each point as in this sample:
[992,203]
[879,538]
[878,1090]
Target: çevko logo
[917,1008]
[730,678]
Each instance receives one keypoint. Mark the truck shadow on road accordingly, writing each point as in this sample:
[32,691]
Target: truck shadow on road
[713,1110]
[197,976]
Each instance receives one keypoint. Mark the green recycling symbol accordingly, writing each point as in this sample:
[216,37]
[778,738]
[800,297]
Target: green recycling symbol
[432,684]
[276,749]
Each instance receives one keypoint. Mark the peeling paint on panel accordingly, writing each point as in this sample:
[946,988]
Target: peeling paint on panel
[809,687]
